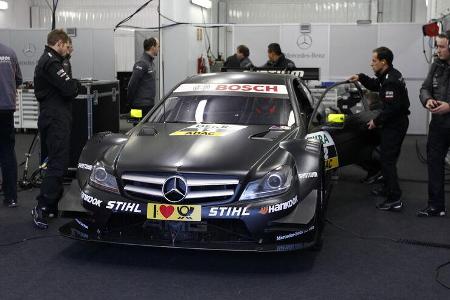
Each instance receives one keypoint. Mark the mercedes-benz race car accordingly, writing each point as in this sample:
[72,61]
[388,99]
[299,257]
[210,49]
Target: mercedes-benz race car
[225,161]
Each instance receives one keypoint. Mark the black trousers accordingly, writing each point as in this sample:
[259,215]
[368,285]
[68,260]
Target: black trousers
[392,137]
[437,147]
[8,161]
[55,130]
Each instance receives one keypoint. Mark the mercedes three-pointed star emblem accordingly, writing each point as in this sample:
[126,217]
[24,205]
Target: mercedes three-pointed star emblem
[175,189]
[304,41]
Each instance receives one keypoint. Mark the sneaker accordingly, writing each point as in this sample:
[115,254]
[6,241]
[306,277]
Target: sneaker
[431,211]
[379,192]
[39,218]
[10,203]
[390,205]
[52,212]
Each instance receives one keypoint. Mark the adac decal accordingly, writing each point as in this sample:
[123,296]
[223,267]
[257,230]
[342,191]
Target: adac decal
[225,211]
[278,207]
[89,199]
[124,206]
[84,166]
[186,213]
[329,148]
[294,234]
[209,130]
[232,87]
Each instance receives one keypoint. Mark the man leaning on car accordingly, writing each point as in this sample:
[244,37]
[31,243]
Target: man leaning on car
[393,120]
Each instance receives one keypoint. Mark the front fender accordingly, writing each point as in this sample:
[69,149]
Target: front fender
[94,150]
[308,157]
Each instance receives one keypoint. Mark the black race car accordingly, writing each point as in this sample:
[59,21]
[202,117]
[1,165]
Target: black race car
[226,161]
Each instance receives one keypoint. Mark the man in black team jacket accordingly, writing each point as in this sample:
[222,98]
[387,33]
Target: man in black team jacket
[55,90]
[393,120]
[435,96]
[142,85]
[277,58]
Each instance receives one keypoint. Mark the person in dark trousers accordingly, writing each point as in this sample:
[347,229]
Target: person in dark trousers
[66,62]
[435,97]
[277,58]
[10,79]
[240,59]
[393,120]
[142,85]
[55,90]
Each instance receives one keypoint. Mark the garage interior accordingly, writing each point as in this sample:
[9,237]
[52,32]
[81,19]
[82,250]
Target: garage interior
[366,253]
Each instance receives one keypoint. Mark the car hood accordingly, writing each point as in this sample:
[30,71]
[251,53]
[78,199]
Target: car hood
[158,148]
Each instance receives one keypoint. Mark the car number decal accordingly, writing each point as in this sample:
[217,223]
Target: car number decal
[187,213]
[329,148]
[234,87]
[209,130]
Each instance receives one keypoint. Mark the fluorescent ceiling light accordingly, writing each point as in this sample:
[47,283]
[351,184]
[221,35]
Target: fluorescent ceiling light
[202,3]
[3,5]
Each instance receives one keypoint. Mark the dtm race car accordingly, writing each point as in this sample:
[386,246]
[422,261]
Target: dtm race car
[226,161]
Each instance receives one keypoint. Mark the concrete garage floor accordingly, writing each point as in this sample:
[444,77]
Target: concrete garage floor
[348,267]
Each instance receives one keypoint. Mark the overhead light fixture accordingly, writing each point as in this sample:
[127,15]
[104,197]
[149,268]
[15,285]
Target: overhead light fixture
[202,3]
[3,5]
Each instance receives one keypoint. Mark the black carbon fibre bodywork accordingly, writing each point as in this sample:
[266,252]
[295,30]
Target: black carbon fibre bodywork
[156,152]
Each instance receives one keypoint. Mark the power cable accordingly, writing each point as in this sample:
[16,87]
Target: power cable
[33,238]
[132,15]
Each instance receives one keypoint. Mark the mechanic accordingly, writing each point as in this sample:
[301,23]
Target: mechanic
[55,90]
[277,59]
[142,85]
[66,62]
[10,79]
[240,59]
[393,120]
[435,97]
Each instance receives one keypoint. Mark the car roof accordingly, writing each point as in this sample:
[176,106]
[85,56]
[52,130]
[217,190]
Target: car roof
[240,78]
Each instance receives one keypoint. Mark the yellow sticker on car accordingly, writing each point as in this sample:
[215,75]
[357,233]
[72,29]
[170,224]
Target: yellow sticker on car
[331,163]
[209,130]
[171,212]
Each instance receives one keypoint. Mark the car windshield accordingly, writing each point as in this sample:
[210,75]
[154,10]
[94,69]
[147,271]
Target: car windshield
[225,109]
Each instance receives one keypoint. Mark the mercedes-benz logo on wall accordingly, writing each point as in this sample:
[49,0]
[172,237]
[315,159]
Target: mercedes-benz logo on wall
[304,41]
[175,189]
[29,50]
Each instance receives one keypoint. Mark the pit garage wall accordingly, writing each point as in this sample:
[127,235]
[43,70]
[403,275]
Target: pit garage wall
[340,50]
[93,56]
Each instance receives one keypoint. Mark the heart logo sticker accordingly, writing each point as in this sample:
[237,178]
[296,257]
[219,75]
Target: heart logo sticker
[166,211]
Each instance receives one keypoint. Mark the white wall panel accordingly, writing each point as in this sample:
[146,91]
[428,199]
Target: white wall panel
[405,40]
[308,50]
[348,54]
[124,50]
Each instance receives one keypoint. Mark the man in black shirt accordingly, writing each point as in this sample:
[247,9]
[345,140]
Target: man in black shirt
[435,97]
[393,120]
[142,85]
[10,79]
[55,90]
[240,59]
[277,58]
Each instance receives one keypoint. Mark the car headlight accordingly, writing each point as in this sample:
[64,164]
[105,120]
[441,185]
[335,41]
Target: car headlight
[101,179]
[273,183]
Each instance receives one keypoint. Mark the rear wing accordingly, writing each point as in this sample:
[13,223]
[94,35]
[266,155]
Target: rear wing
[303,73]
